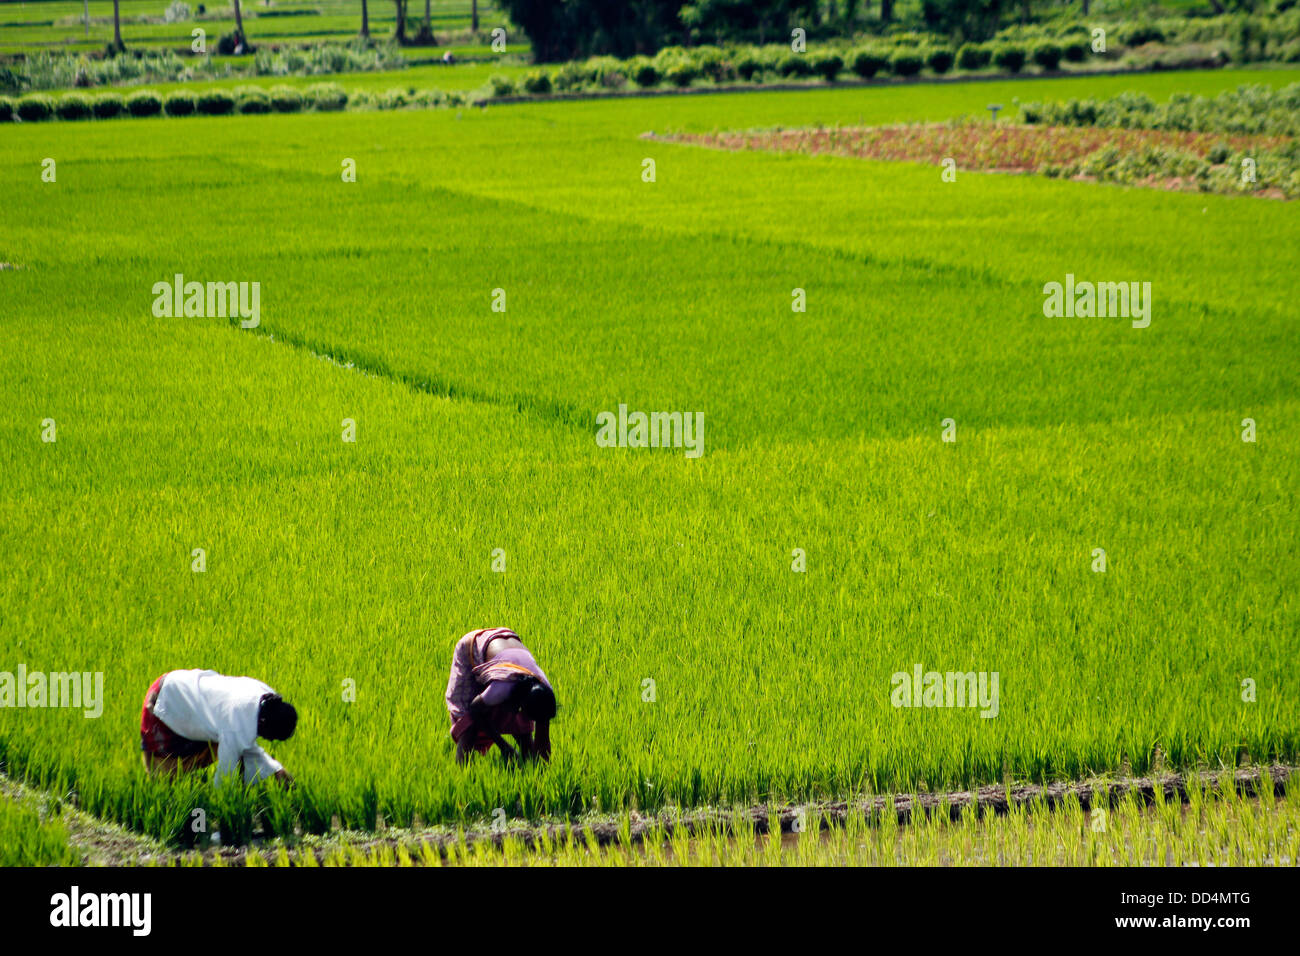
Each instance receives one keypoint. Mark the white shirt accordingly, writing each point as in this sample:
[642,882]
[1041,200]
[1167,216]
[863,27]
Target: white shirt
[205,705]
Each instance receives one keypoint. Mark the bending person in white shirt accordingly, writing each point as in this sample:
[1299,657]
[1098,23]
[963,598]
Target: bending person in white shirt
[193,717]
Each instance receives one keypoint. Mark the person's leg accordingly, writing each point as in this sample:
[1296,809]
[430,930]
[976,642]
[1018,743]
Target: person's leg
[171,765]
[525,742]
[161,766]
[204,758]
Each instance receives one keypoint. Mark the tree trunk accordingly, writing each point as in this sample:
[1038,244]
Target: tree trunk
[1086,5]
[239,25]
[85,4]
[473,16]
[117,27]
[365,19]
[400,33]
[428,25]
[886,10]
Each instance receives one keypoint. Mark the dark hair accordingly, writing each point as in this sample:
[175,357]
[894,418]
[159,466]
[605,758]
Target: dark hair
[276,719]
[539,702]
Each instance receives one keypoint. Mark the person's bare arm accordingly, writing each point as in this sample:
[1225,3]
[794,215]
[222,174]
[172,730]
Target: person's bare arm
[542,748]
[480,717]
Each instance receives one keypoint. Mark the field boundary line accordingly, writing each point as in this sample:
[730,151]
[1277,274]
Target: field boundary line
[107,844]
[343,357]
[995,799]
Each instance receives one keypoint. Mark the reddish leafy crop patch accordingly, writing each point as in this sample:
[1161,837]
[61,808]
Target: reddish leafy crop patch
[995,148]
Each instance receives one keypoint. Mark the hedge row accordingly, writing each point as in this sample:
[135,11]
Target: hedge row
[1218,172]
[322,97]
[710,65]
[1249,110]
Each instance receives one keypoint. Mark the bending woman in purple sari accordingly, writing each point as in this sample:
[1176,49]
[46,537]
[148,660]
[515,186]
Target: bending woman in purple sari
[497,688]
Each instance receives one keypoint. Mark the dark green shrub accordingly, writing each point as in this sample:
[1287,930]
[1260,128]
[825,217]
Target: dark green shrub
[940,59]
[794,64]
[285,99]
[1009,57]
[1075,51]
[572,76]
[74,106]
[108,105]
[748,65]
[503,85]
[828,66]
[7,108]
[357,100]
[226,45]
[395,99]
[1248,41]
[645,74]
[868,62]
[1136,34]
[974,56]
[682,73]
[1047,55]
[215,102]
[180,103]
[327,97]
[429,98]
[250,99]
[607,72]
[712,63]
[537,81]
[144,103]
[905,63]
[35,108]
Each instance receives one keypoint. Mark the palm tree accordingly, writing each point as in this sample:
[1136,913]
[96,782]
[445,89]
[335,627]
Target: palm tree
[365,20]
[117,27]
[399,34]
[425,37]
[239,25]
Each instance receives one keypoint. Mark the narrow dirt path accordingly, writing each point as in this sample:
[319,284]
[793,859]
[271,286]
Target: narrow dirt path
[99,843]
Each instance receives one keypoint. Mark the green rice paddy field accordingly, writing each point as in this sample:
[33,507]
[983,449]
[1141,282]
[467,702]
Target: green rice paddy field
[330,562]
[26,27]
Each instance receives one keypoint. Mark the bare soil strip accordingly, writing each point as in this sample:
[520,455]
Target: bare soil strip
[108,845]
